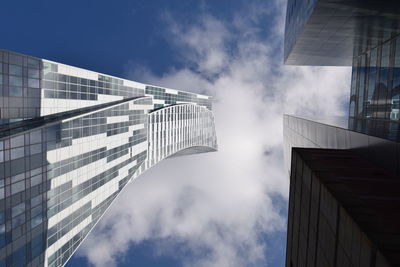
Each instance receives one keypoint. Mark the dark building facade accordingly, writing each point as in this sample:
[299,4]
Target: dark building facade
[341,207]
[361,168]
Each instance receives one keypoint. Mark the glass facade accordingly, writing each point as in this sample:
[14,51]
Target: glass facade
[86,135]
[375,93]
[20,82]
[364,34]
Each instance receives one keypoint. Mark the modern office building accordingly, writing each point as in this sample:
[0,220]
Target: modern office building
[71,140]
[345,172]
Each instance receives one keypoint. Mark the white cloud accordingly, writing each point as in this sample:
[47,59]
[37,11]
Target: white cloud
[214,207]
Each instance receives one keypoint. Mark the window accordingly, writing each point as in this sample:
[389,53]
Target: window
[36,137]
[18,177]
[16,210]
[15,91]
[17,187]
[15,59]
[33,73]
[34,83]
[36,211]
[36,200]
[62,78]
[49,94]
[15,70]
[33,63]
[62,86]
[17,221]
[37,148]
[17,153]
[36,221]
[17,141]
[36,180]
[15,81]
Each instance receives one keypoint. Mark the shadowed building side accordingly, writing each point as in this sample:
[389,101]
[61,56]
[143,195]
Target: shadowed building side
[341,211]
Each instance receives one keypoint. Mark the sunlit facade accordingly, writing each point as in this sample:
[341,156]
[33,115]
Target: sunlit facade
[71,140]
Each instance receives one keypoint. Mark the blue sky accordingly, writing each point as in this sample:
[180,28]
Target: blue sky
[99,35]
[220,209]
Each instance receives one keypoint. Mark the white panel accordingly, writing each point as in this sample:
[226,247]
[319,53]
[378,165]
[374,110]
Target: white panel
[202,96]
[108,98]
[74,71]
[134,84]
[158,101]
[115,119]
[171,91]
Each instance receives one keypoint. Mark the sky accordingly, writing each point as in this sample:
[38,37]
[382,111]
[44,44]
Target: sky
[227,208]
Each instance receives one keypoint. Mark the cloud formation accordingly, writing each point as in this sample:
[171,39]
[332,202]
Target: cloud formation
[216,209]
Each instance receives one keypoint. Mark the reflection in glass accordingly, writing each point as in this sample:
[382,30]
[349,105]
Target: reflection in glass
[395,107]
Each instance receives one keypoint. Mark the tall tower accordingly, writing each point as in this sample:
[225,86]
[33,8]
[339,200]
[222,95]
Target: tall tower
[71,140]
[345,172]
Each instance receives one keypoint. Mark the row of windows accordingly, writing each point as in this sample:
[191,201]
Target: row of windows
[20,81]
[159,93]
[33,137]
[61,82]
[69,95]
[19,71]
[109,90]
[19,60]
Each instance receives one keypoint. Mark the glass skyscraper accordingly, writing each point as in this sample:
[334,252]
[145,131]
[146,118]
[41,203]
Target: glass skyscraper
[70,140]
[345,172]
